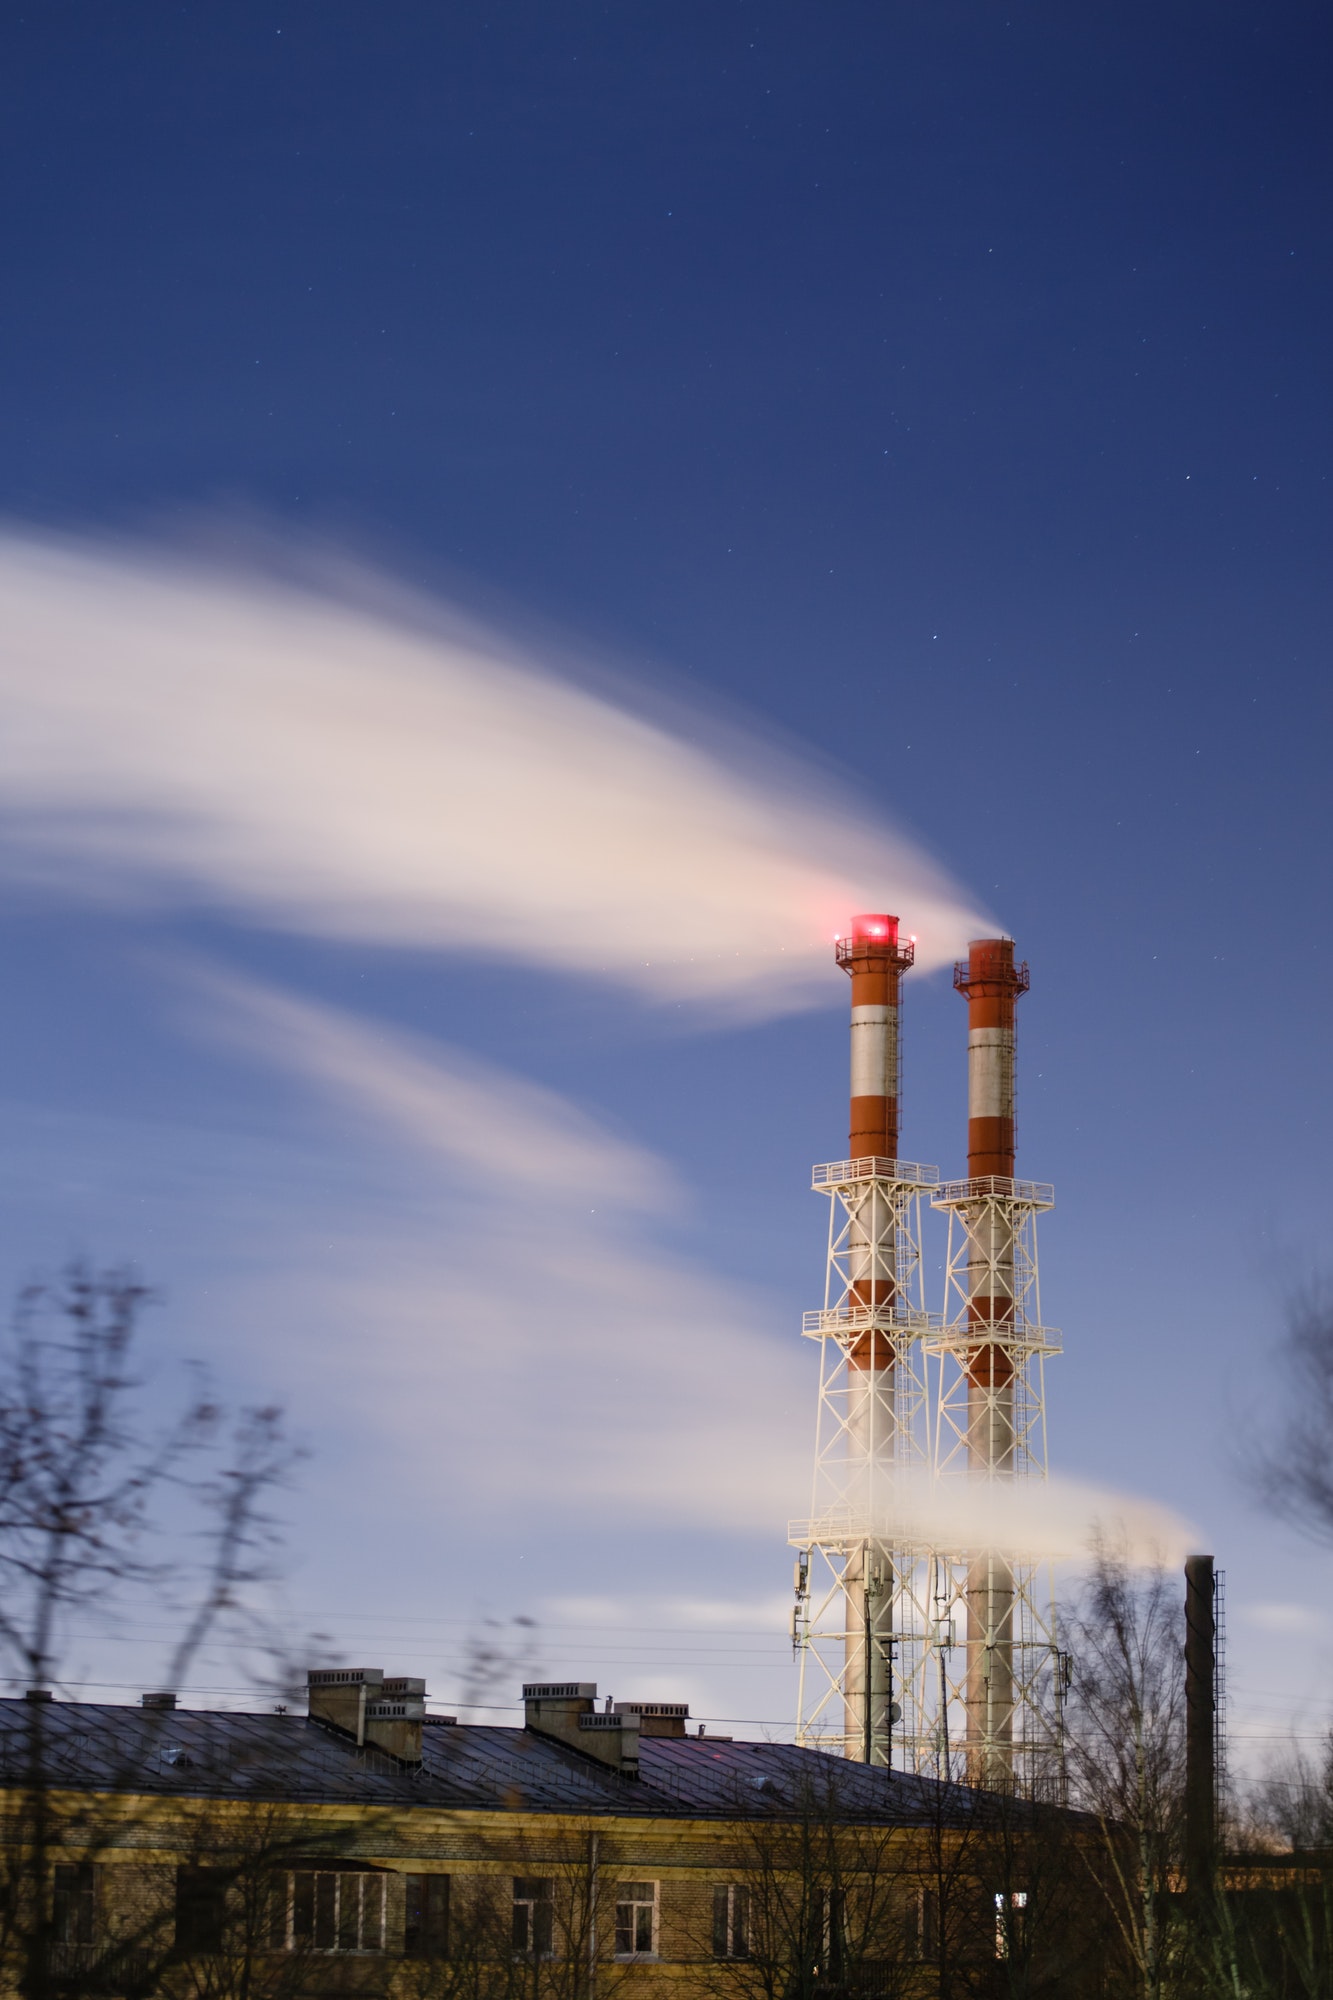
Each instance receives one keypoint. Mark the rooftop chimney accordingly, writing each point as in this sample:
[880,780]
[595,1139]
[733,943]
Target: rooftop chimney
[657,1718]
[567,1711]
[394,1722]
[374,1713]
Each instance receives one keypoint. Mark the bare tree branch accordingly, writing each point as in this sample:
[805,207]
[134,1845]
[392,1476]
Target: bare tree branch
[1295,1474]
[87,1481]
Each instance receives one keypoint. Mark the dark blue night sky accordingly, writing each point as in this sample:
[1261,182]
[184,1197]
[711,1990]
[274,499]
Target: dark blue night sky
[938,396]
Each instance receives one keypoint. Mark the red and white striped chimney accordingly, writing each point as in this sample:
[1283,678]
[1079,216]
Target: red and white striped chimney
[876,960]
[991,984]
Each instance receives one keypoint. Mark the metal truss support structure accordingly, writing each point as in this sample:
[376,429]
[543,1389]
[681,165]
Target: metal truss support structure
[999,1675]
[924,1640]
[857,1625]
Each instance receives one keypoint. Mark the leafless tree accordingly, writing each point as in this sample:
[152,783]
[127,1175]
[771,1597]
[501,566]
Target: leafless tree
[104,1510]
[1290,1805]
[1272,1934]
[215,1924]
[1294,1472]
[820,1899]
[1265,1929]
[1014,1900]
[1126,1746]
[537,1922]
[499,1655]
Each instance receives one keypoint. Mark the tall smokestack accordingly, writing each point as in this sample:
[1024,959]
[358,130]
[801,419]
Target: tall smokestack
[991,984]
[876,960]
[1200,1729]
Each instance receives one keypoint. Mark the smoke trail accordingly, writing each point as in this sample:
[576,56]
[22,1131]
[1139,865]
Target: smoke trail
[1059,1519]
[334,761]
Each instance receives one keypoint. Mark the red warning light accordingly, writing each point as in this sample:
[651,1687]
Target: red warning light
[875,926]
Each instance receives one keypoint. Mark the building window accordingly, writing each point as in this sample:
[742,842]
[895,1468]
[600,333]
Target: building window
[636,1919]
[534,1915]
[326,1909]
[74,1902]
[426,1916]
[826,1927]
[1009,1913]
[731,1920]
[927,1924]
[201,1909]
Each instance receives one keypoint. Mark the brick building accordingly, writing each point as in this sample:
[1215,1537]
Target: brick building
[369,1846]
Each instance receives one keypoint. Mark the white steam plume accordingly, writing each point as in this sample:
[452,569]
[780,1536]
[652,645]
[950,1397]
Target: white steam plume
[1059,1519]
[335,762]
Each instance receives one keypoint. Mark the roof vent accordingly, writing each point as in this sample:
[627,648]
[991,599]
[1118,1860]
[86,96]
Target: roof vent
[657,1718]
[38,1694]
[159,1698]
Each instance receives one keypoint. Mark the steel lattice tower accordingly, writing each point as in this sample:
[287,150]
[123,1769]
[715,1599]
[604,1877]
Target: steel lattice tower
[939,1658]
[854,1627]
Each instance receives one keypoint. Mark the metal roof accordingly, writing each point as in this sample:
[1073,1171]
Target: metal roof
[212,1754]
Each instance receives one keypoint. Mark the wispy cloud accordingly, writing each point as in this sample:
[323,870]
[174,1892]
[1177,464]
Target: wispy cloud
[1290,1620]
[346,761]
[477,1119]
[529,1337]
